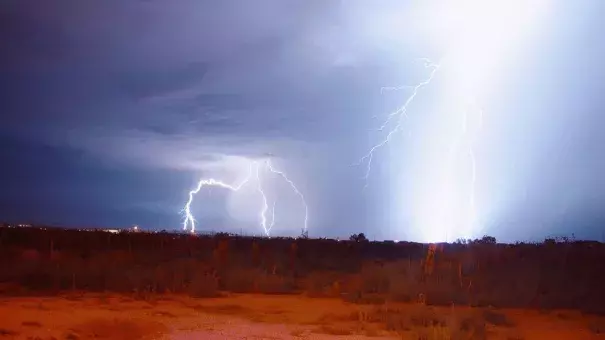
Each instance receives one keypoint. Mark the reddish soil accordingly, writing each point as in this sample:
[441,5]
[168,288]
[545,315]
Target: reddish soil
[104,316]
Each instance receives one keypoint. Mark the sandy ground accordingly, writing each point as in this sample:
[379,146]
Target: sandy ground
[104,316]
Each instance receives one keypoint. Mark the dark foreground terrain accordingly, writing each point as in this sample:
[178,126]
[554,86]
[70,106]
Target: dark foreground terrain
[480,290]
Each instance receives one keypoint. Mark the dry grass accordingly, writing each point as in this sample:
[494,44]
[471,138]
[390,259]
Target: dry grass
[426,322]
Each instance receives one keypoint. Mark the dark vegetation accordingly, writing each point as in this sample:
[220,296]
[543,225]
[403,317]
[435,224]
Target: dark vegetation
[554,274]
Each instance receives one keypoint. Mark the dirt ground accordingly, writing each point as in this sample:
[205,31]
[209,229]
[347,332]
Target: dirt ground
[104,316]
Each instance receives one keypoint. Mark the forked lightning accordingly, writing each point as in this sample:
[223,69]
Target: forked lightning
[400,114]
[255,168]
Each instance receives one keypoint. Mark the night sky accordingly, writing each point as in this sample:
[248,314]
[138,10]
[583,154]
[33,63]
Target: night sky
[111,111]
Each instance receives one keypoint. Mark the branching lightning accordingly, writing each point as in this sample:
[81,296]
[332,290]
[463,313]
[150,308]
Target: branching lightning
[255,168]
[294,188]
[400,114]
[189,222]
[265,206]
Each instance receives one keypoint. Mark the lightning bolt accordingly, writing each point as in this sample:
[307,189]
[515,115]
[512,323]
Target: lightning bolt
[254,168]
[265,206]
[401,114]
[296,191]
[189,222]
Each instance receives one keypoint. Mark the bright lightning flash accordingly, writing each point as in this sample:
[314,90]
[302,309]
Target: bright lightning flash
[294,188]
[400,114]
[477,34]
[255,168]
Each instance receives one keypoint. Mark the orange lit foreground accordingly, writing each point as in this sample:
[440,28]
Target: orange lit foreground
[105,316]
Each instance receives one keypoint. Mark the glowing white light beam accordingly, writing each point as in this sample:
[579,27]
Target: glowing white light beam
[266,225]
[478,36]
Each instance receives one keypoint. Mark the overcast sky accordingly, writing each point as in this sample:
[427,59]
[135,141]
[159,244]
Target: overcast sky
[111,111]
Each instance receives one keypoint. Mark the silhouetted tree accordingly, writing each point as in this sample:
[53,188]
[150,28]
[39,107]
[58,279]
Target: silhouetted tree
[361,237]
[304,234]
[487,240]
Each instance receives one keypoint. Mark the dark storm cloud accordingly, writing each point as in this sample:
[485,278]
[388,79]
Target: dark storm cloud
[145,84]
[114,71]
